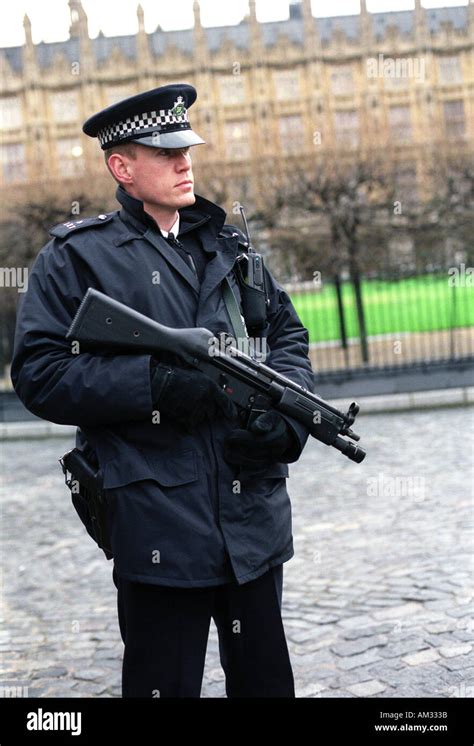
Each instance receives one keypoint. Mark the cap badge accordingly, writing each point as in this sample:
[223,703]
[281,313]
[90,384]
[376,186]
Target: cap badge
[179,108]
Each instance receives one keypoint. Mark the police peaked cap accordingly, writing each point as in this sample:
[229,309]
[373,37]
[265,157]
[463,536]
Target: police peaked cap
[157,118]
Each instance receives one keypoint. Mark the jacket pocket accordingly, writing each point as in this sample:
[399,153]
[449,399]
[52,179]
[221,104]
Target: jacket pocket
[167,468]
[247,473]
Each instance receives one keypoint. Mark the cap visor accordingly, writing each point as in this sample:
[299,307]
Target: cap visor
[179,139]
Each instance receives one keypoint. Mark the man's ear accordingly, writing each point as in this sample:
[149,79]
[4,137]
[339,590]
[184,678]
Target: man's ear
[119,168]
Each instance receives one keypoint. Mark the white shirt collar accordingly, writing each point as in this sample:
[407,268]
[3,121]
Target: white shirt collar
[174,229]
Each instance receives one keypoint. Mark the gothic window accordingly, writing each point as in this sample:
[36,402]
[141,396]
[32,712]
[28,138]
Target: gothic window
[399,121]
[70,160]
[450,70]
[10,112]
[346,124]
[454,118]
[292,134]
[231,90]
[13,162]
[342,82]
[64,106]
[237,140]
[287,85]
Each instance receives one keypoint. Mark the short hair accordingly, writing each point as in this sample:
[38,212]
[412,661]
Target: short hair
[125,148]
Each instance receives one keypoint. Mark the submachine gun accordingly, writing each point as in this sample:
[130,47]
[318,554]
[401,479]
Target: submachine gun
[103,322]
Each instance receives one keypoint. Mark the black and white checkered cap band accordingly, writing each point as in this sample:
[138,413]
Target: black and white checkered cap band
[141,123]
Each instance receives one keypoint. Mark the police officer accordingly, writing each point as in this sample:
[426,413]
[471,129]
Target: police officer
[198,512]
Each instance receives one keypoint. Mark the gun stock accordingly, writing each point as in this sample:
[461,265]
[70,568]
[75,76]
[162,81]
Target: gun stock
[104,322]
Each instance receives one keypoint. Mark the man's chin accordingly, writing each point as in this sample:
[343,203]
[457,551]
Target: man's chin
[187,199]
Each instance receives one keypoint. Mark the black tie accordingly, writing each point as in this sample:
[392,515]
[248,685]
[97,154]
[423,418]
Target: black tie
[181,250]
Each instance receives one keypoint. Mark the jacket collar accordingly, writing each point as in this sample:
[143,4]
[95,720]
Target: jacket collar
[203,211]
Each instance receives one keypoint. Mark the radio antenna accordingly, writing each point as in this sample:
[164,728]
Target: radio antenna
[246,227]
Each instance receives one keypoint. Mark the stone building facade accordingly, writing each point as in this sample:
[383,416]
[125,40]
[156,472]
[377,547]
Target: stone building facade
[266,91]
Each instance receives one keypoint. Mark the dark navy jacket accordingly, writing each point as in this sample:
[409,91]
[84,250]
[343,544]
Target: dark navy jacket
[177,517]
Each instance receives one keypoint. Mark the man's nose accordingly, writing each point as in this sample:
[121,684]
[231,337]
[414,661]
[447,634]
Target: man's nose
[183,162]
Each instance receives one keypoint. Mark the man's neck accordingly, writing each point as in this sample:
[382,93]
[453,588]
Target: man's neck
[164,217]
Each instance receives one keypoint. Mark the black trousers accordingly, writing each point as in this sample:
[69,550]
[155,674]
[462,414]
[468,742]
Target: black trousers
[165,633]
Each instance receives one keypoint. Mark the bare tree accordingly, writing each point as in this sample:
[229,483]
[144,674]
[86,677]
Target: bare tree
[23,232]
[334,197]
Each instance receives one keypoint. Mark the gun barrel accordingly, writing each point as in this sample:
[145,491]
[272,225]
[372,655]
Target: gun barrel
[352,451]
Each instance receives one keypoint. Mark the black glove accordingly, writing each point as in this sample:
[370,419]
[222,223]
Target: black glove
[266,442]
[187,396]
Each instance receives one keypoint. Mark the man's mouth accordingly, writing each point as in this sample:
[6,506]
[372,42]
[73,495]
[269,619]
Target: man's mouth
[185,183]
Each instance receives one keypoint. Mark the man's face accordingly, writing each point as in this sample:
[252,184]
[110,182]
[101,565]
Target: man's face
[162,176]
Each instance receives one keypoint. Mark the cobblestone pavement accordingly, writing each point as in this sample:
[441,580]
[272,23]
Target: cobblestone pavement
[376,598]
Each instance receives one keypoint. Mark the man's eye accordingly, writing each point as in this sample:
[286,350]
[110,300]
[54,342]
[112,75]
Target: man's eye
[170,152]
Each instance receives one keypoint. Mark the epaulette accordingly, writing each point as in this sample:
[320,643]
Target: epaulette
[228,231]
[63,229]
